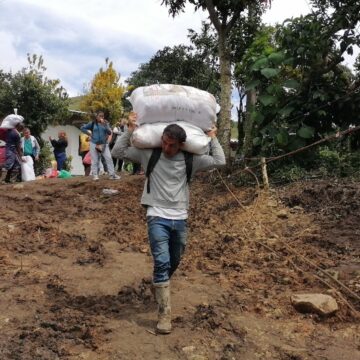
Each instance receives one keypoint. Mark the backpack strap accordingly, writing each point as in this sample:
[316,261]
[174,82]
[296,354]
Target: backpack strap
[189,164]
[154,158]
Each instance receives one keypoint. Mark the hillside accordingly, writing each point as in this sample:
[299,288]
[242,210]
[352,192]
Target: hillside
[75,102]
[75,269]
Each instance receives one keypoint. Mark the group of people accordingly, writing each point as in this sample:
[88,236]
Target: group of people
[19,143]
[98,139]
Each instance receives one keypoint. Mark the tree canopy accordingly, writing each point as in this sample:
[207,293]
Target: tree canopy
[223,14]
[303,90]
[42,101]
[178,65]
[105,93]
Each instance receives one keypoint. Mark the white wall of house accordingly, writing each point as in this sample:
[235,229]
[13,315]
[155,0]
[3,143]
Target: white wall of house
[72,133]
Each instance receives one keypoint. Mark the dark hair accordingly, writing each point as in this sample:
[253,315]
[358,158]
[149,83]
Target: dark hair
[175,132]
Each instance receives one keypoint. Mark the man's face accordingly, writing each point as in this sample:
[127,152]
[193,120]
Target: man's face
[170,147]
[26,134]
[100,117]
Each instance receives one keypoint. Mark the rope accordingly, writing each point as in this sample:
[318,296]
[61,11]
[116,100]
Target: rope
[336,136]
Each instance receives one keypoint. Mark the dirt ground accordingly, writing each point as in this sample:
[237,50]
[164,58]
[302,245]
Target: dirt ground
[75,272]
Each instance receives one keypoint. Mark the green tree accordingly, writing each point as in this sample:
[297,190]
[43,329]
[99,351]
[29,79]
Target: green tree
[223,15]
[177,65]
[303,90]
[105,93]
[40,100]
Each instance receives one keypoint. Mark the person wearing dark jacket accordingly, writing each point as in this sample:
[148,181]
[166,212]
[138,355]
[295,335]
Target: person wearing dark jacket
[59,149]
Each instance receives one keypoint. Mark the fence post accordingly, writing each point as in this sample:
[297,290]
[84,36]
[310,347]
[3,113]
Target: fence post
[264,174]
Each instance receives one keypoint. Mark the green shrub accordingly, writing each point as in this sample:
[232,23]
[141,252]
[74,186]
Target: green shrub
[45,158]
[67,164]
[330,159]
[287,173]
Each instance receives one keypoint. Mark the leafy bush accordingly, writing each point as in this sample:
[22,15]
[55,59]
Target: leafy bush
[67,164]
[329,159]
[45,158]
[287,173]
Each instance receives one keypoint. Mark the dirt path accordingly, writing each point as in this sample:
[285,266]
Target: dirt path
[75,273]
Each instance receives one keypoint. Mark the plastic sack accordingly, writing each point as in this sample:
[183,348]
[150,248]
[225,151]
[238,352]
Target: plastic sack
[27,169]
[63,174]
[51,173]
[87,159]
[11,121]
[148,136]
[170,103]
[2,156]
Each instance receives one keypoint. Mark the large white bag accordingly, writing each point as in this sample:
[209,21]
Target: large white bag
[148,136]
[27,169]
[170,103]
[11,121]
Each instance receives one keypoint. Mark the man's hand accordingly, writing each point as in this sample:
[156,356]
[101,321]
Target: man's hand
[212,132]
[36,158]
[50,138]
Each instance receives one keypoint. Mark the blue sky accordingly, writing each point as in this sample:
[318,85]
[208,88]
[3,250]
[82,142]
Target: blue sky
[75,36]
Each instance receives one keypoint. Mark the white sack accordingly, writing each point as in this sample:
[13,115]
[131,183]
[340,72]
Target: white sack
[11,121]
[27,169]
[148,136]
[170,103]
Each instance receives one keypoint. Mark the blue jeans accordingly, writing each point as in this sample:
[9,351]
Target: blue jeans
[167,242]
[60,159]
[96,157]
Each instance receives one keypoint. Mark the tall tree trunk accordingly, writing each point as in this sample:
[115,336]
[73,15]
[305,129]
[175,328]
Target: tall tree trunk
[241,120]
[248,124]
[225,95]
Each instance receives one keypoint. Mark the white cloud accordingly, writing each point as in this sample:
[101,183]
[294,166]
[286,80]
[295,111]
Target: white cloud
[281,10]
[75,36]
[10,60]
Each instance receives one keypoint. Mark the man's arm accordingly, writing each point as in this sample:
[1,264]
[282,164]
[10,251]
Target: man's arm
[86,129]
[37,149]
[215,160]
[123,149]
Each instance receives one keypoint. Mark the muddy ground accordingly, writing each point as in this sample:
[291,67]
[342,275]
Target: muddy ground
[75,272]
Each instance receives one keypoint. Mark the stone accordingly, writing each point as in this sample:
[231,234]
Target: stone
[282,214]
[188,349]
[18,186]
[321,304]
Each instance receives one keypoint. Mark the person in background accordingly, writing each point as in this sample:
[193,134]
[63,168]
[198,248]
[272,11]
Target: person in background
[84,148]
[99,132]
[117,131]
[59,149]
[30,146]
[166,198]
[13,154]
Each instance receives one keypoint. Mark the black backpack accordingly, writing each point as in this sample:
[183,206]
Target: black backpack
[154,158]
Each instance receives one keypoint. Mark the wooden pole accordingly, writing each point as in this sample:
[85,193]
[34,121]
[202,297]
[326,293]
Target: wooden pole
[264,174]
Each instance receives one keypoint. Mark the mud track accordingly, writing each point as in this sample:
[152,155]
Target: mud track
[75,272]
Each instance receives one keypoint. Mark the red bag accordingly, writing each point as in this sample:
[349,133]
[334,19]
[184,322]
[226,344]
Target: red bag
[2,156]
[87,159]
[3,135]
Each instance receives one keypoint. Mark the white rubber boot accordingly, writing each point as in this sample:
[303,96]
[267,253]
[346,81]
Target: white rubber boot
[162,294]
